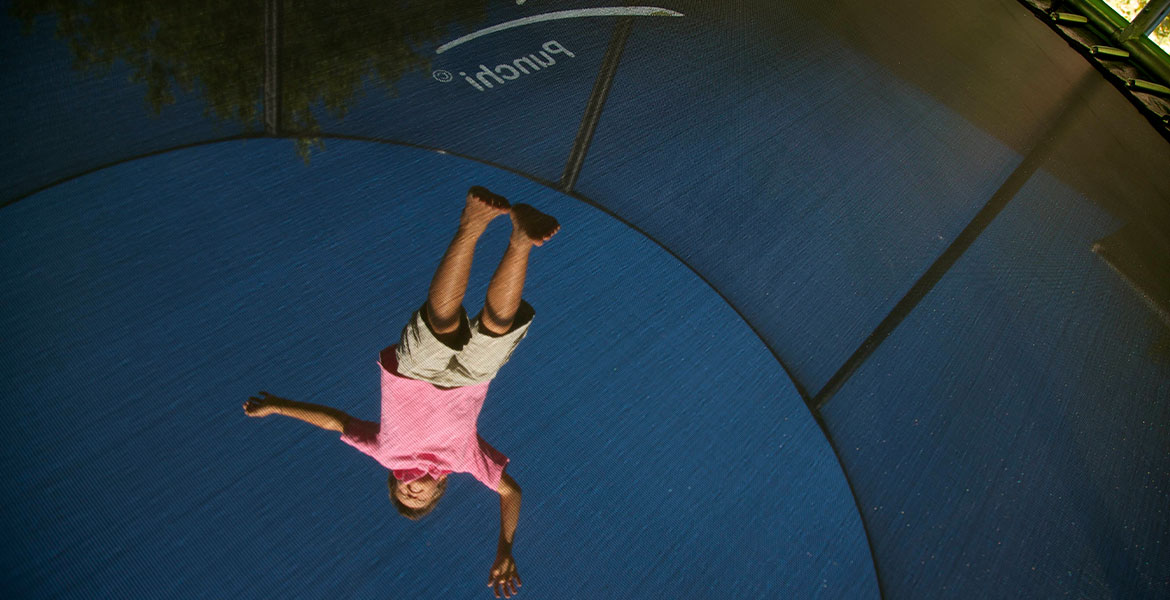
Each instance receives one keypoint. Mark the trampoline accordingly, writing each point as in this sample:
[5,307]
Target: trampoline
[848,301]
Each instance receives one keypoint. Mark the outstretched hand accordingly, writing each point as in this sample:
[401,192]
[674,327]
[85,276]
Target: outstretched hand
[262,405]
[504,578]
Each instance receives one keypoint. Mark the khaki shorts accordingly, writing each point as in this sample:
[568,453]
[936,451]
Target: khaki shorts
[475,357]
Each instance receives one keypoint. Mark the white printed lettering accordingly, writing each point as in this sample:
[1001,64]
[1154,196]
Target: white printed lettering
[555,47]
[487,78]
[484,70]
[520,66]
[515,73]
[471,81]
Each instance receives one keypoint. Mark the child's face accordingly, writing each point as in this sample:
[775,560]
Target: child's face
[417,493]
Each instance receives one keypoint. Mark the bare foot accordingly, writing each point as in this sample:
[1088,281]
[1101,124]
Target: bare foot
[533,225]
[482,206]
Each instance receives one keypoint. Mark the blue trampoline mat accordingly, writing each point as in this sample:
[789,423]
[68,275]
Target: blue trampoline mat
[660,448]
[946,231]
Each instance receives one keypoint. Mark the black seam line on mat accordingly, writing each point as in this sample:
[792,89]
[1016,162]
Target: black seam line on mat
[114,163]
[816,415]
[601,86]
[877,574]
[540,180]
[574,195]
[287,136]
[1049,135]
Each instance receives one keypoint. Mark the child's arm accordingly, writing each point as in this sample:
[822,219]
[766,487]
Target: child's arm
[504,576]
[313,414]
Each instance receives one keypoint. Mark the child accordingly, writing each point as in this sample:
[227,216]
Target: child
[435,380]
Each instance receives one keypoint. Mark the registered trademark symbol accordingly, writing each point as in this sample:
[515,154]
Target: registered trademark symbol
[442,76]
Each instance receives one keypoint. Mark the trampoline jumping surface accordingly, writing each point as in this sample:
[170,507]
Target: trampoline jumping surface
[836,311]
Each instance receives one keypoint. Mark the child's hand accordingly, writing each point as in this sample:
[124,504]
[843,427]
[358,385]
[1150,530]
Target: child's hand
[504,578]
[261,406]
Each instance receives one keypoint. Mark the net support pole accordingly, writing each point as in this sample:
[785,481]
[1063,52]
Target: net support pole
[272,10]
[1049,136]
[1146,21]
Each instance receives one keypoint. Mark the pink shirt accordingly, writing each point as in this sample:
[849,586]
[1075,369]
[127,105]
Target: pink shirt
[427,430]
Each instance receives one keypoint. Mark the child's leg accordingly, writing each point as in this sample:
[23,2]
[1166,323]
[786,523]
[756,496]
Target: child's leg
[530,227]
[505,319]
[445,298]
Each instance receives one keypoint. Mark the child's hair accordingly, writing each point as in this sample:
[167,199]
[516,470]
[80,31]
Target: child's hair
[414,514]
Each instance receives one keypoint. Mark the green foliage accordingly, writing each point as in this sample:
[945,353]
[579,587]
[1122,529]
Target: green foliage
[329,51]
[305,145]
